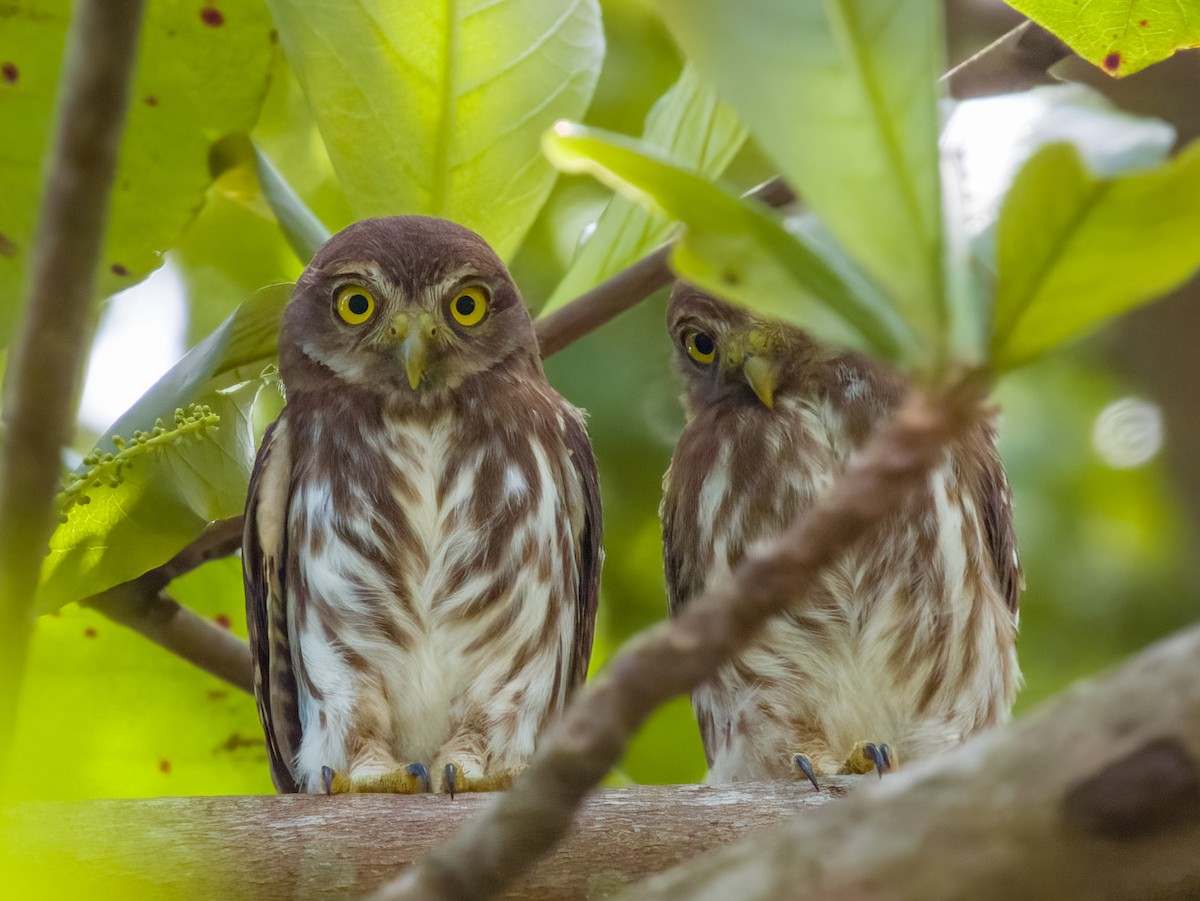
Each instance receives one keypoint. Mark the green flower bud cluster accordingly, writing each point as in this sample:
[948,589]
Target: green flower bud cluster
[107,468]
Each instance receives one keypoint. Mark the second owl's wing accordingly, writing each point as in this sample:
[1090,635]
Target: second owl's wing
[589,551]
[264,562]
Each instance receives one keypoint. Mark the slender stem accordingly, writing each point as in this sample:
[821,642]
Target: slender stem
[42,385]
[1017,61]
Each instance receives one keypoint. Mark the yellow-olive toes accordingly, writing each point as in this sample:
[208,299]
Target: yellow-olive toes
[407,780]
[870,756]
[335,783]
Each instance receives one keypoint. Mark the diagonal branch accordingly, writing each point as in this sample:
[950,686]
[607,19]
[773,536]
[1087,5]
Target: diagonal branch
[42,385]
[1017,61]
[672,658]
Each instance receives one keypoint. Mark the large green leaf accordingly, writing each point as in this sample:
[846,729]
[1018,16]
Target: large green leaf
[437,107]
[841,94]
[739,249]
[1075,249]
[166,496]
[1119,36]
[198,77]
[694,130]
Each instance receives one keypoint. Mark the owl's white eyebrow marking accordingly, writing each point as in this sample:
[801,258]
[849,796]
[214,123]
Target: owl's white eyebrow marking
[359,267]
[452,279]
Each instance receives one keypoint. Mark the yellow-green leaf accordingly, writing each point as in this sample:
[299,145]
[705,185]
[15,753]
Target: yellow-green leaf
[1076,250]
[696,131]
[739,249]
[841,95]
[199,76]
[437,107]
[1119,36]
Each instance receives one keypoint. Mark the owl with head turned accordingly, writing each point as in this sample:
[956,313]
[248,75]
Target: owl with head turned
[907,645]
[422,545]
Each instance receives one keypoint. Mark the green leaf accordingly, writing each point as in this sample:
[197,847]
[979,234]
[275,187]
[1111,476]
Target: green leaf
[437,107]
[305,233]
[696,131]
[841,95]
[164,499]
[195,82]
[1076,250]
[739,249]
[106,713]
[1119,36]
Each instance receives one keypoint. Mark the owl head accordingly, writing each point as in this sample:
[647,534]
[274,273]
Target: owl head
[729,355]
[404,304]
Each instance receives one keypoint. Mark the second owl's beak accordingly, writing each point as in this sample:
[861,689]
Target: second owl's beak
[763,377]
[414,332]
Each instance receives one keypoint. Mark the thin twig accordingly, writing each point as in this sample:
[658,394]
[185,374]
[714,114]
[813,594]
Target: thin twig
[1017,61]
[144,606]
[43,379]
[629,287]
[672,658]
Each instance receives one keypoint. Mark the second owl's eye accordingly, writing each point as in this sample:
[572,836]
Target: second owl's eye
[469,306]
[355,304]
[702,348]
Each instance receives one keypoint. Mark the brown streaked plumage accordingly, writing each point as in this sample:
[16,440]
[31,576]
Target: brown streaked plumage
[908,645]
[422,545]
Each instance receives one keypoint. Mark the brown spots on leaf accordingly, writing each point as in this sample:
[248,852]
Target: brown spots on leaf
[212,17]
[89,632]
[1112,62]
[118,270]
[1143,23]
[1153,789]
[222,620]
[217,694]
[150,100]
[8,247]
[164,767]
[10,73]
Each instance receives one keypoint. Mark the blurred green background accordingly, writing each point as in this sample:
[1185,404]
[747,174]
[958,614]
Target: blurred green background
[1101,446]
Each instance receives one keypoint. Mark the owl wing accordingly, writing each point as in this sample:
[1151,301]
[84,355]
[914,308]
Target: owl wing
[264,559]
[589,553]
[998,524]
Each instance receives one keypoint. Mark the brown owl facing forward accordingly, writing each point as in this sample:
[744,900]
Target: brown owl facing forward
[907,645]
[422,544]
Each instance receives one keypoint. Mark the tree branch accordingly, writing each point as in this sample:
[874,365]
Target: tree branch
[41,388]
[672,658]
[1094,795]
[1017,61]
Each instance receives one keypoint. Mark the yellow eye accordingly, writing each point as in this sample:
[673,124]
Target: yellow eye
[469,306]
[355,304]
[701,348]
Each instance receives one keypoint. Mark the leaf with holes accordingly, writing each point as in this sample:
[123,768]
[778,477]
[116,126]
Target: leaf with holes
[1119,36]
[437,108]
[1075,250]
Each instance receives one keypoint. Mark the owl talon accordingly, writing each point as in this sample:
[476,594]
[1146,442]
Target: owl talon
[421,772]
[327,779]
[806,767]
[451,774]
[868,756]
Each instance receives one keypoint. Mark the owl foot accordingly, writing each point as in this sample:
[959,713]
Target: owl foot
[867,756]
[455,780]
[407,780]
[805,766]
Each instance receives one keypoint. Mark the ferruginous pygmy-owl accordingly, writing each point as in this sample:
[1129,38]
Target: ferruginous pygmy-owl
[906,646]
[422,545]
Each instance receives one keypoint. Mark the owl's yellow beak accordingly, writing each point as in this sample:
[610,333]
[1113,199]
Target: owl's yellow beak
[414,333]
[763,377]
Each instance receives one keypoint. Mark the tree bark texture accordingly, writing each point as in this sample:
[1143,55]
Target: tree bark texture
[1095,795]
[317,846]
